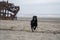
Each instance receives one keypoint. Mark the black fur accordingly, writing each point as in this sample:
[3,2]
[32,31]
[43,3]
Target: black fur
[34,23]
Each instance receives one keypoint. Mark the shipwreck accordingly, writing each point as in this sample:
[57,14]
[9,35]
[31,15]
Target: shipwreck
[8,11]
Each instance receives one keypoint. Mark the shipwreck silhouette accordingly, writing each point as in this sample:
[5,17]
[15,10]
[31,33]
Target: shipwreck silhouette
[8,11]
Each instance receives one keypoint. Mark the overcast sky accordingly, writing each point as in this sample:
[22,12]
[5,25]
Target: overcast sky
[41,8]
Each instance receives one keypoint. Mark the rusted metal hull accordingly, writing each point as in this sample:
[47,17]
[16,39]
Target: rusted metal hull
[8,11]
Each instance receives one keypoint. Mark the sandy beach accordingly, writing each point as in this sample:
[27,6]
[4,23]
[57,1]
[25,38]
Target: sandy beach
[20,30]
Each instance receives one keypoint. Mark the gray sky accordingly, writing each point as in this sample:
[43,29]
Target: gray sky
[41,8]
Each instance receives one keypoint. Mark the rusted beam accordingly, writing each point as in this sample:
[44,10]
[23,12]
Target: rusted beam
[4,7]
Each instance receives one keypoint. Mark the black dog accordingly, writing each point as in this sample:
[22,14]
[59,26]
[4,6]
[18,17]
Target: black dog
[34,23]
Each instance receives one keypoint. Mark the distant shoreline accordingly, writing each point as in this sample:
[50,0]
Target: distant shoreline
[38,18]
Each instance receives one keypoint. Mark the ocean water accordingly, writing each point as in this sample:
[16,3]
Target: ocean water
[39,19]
